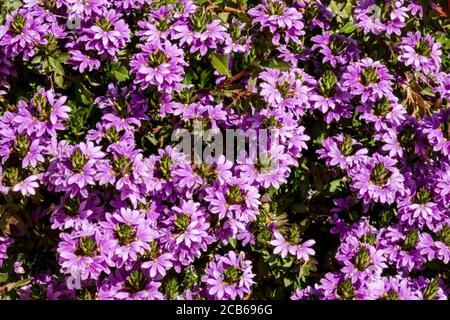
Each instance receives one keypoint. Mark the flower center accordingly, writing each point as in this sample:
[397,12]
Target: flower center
[362,259]
[423,48]
[157,59]
[381,108]
[182,222]
[327,84]
[232,275]
[71,207]
[87,247]
[380,175]
[234,195]
[346,146]
[369,75]
[79,160]
[17,24]
[135,283]
[125,233]
[422,196]
[104,24]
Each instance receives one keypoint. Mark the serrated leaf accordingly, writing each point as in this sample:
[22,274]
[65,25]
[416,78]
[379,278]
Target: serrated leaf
[220,63]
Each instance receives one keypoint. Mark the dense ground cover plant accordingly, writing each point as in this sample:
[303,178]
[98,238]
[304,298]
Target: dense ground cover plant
[97,202]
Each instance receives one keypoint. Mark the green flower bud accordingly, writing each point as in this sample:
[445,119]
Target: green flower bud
[369,238]
[431,290]
[412,238]
[423,48]
[17,24]
[232,275]
[136,282]
[104,24]
[369,75]
[21,145]
[182,222]
[112,135]
[444,234]
[11,177]
[423,196]
[234,195]
[327,83]
[164,167]
[345,290]
[78,161]
[125,234]
[276,7]
[71,207]
[157,58]
[363,259]
[171,288]
[346,147]
[382,107]
[390,295]
[380,175]
[87,247]
[122,166]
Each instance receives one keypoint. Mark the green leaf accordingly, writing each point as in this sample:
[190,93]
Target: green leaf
[3,277]
[120,73]
[220,63]
[232,242]
[427,92]
[276,63]
[348,28]
[287,282]
[56,66]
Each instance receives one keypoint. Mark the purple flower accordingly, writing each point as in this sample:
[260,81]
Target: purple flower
[422,53]
[381,17]
[159,64]
[109,35]
[127,233]
[4,245]
[229,276]
[368,79]
[83,252]
[301,251]
[342,151]
[132,285]
[377,179]
[45,113]
[280,19]
[21,33]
